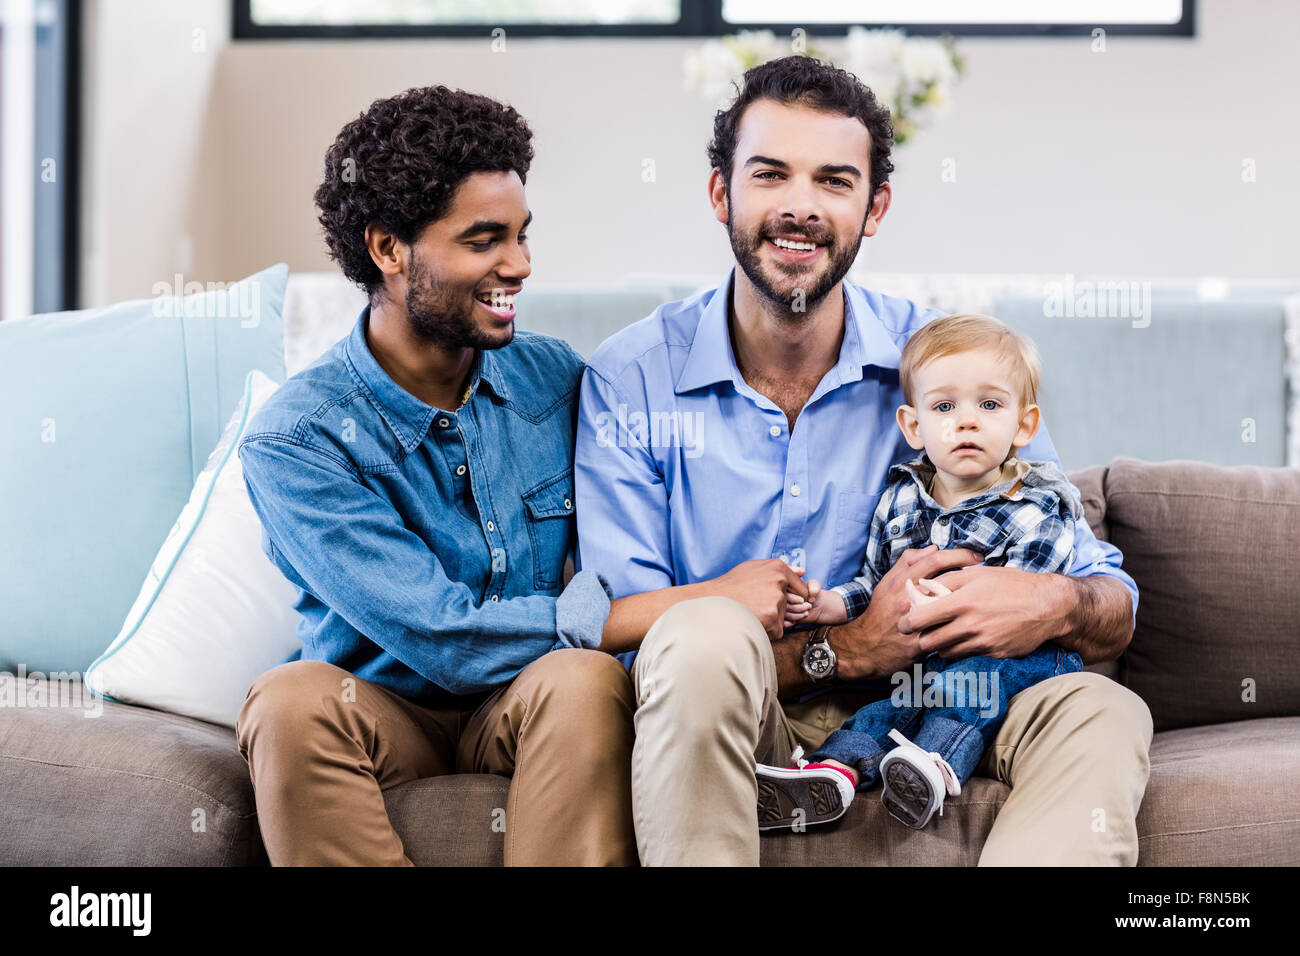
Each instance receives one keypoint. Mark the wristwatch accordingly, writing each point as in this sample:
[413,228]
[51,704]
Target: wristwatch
[818,658]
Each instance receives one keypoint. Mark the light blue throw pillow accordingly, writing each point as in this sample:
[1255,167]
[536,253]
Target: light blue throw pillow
[106,418]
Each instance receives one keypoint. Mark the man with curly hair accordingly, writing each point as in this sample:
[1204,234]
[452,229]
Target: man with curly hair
[790,376]
[416,484]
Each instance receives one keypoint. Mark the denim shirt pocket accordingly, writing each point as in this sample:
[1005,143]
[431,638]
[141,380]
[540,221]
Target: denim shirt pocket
[549,506]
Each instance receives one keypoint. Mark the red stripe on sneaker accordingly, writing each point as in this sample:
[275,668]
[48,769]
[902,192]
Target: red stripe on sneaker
[827,766]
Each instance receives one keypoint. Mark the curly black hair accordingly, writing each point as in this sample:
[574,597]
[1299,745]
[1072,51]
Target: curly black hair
[398,164]
[807,81]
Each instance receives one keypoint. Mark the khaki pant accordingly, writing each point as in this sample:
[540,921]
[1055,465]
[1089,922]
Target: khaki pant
[1072,748]
[322,745]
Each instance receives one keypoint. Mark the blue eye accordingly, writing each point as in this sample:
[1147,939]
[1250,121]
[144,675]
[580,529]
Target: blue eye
[991,401]
[938,407]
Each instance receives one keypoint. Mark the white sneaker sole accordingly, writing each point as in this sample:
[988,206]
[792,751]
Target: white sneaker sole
[914,788]
[788,798]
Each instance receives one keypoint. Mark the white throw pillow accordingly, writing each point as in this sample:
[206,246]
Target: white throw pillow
[214,612]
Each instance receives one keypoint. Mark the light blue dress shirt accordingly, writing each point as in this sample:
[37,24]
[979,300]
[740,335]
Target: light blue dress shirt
[683,471]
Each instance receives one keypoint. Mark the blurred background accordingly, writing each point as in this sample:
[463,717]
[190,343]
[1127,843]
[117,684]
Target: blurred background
[1148,145]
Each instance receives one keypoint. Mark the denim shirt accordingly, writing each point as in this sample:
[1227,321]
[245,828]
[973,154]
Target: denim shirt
[428,546]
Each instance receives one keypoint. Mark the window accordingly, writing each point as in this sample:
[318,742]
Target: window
[272,19]
[39,77]
[407,18]
[1004,17]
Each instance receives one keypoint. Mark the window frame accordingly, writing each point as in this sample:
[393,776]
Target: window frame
[700,18]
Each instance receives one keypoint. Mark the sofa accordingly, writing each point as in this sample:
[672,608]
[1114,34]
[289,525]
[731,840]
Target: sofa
[1211,549]
[1214,654]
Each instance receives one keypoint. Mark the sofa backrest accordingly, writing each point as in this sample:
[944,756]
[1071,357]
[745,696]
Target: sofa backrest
[108,417]
[1137,386]
[1213,552]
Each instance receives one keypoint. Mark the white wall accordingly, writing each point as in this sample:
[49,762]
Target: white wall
[151,203]
[1126,162]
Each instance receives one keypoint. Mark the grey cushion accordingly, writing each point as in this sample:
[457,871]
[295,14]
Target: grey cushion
[122,789]
[868,836]
[450,821]
[1224,795]
[1213,553]
[1091,484]
[130,787]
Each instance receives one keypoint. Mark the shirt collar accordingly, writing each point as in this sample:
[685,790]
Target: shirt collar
[406,415]
[921,470]
[711,358]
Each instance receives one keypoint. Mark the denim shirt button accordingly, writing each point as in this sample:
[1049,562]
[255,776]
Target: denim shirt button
[443,423]
[568,504]
[460,469]
[495,598]
[491,526]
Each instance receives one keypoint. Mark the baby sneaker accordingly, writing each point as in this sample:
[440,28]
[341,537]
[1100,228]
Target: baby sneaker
[792,797]
[916,781]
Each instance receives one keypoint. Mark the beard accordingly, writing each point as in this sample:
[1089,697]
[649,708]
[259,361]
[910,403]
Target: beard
[780,289]
[443,314]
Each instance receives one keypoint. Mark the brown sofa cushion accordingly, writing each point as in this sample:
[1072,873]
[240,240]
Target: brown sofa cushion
[1213,552]
[1223,795]
[129,787]
[1091,484]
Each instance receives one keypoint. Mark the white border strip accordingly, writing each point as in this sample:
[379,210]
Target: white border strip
[17,162]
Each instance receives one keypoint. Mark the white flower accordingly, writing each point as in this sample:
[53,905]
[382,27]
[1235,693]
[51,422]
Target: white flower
[711,69]
[874,51]
[884,86]
[925,60]
[912,77]
[754,46]
[875,57]
[939,100]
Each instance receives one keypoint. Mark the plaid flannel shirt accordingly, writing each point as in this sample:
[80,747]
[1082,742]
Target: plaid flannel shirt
[1030,527]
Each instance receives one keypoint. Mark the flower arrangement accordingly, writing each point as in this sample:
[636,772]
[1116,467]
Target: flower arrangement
[912,76]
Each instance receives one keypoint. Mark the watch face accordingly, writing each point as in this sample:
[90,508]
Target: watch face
[818,661]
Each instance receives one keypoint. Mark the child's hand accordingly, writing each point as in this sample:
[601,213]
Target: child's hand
[822,607]
[796,608]
[924,591]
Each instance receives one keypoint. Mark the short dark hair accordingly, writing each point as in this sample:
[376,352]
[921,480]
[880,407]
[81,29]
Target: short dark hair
[408,154]
[810,82]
